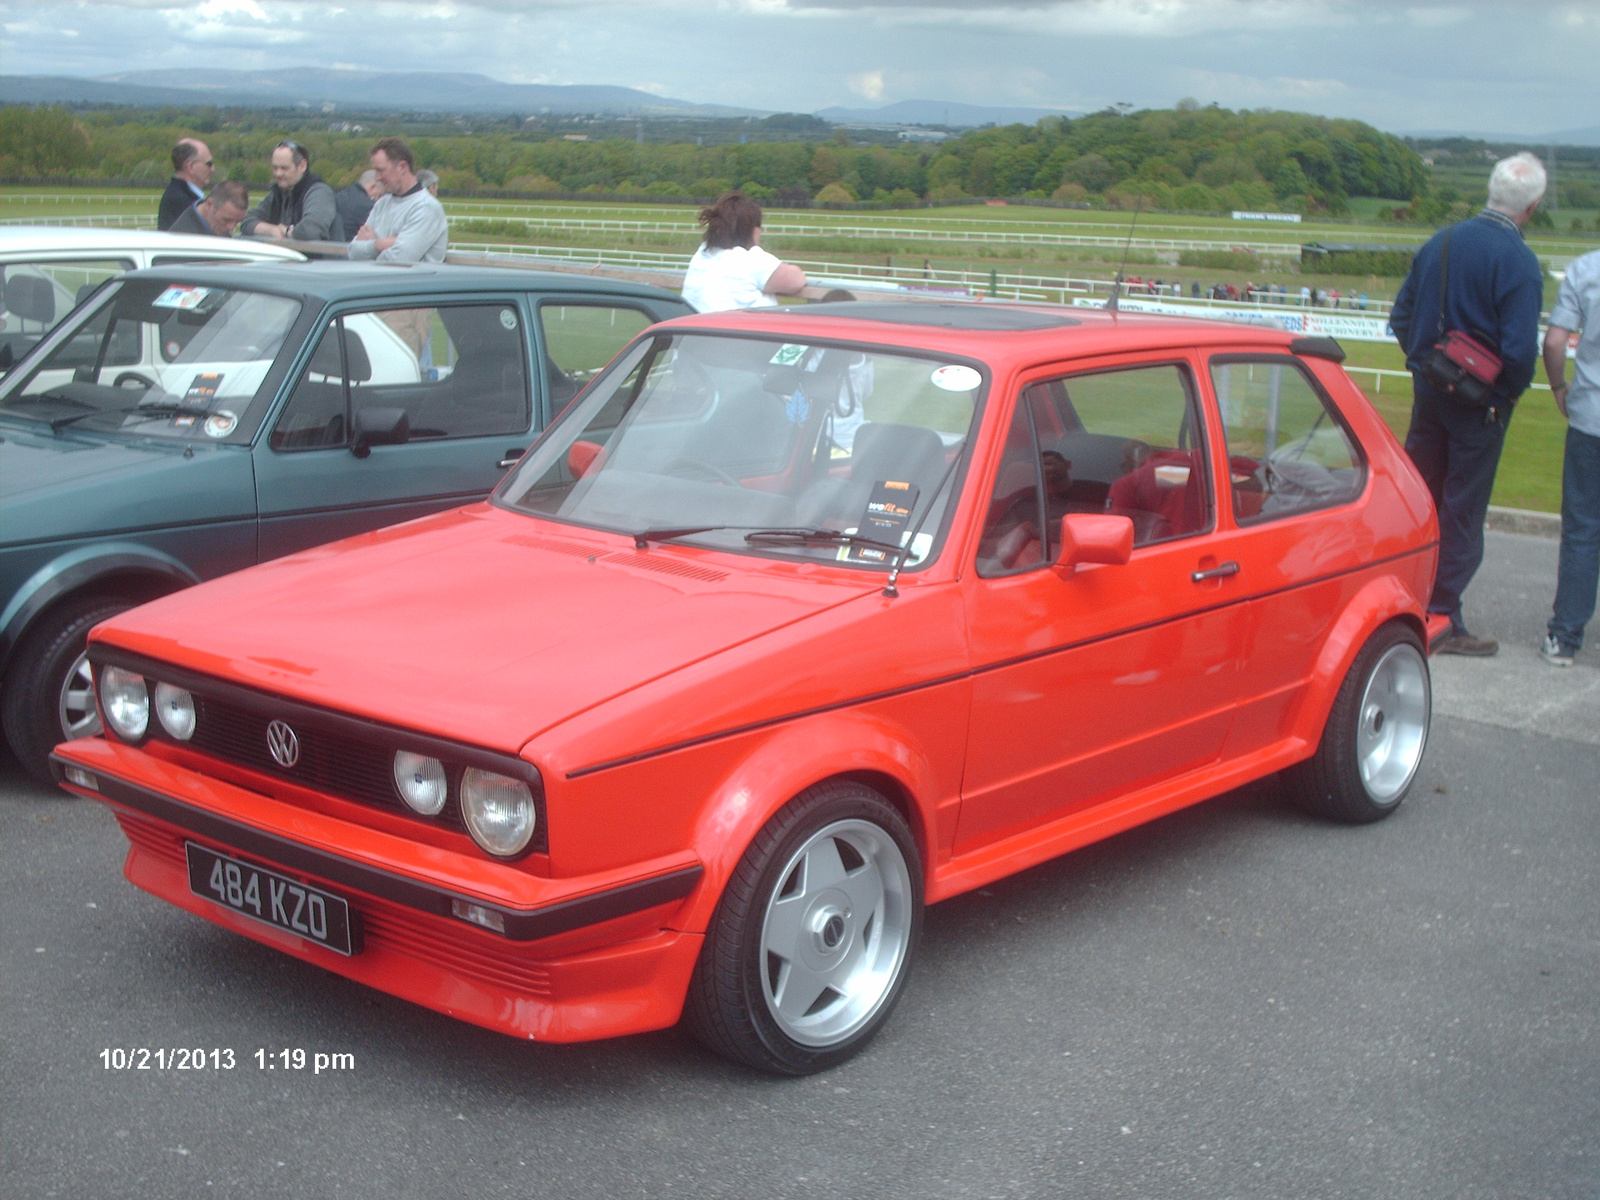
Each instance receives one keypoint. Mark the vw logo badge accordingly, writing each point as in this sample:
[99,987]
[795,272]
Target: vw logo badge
[283,743]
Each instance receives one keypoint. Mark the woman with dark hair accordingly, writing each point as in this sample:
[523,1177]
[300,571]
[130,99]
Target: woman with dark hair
[731,270]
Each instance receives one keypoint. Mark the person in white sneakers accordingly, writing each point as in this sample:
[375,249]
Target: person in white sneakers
[731,270]
[1577,311]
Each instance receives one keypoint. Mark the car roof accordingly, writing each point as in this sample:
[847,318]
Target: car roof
[983,329]
[33,240]
[332,280]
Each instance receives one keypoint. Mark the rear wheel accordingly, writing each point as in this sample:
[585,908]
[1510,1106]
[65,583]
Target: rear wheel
[49,696]
[1375,736]
[810,945]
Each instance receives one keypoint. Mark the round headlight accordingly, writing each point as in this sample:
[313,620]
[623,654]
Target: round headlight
[175,711]
[420,782]
[126,703]
[498,811]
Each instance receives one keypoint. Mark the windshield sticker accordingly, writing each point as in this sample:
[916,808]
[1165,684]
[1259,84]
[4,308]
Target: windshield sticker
[888,510]
[788,354]
[179,296]
[956,378]
[508,319]
[221,424]
[182,422]
[203,390]
[797,408]
[173,348]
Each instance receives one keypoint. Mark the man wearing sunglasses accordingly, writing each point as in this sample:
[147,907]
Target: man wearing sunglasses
[191,175]
[298,205]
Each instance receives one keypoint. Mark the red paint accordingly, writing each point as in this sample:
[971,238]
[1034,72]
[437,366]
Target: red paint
[674,698]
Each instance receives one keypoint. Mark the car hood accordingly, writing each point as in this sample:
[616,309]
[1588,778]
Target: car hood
[69,486]
[478,624]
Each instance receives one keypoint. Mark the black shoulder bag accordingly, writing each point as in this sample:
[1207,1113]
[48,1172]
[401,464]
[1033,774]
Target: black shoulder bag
[1458,365]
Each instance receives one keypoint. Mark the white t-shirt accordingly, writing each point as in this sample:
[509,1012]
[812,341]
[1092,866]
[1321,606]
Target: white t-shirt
[733,278]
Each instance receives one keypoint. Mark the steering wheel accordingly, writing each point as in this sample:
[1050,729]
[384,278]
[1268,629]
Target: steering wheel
[135,379]
[698,466]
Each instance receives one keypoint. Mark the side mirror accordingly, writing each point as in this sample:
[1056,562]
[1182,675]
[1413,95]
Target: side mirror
[1094,538]
[379,427]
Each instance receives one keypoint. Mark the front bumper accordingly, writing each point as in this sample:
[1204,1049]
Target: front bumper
[579,958]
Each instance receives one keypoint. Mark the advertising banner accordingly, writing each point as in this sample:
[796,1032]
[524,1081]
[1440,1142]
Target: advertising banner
[1311,322]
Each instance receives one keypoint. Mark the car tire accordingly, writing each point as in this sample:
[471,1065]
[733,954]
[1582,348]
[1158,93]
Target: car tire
[811,943]
[1376,733]
[49,697]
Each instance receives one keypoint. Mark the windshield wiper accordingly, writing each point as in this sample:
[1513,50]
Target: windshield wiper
[662,533]
[153,410]
[810,533]
[17,407]
[800,534]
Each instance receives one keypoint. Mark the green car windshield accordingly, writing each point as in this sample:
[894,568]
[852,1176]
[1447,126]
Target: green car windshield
[159,359]
[848,453]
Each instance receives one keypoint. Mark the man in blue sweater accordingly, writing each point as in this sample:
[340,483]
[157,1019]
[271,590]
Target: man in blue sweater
[1493,294]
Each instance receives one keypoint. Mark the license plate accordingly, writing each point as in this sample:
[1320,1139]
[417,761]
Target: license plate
[271,898]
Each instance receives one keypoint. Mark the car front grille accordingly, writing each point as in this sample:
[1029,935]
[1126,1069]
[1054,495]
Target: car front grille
[329,763]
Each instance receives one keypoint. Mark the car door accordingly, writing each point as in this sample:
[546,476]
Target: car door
[459,369]
[1094,683]
[1297,476]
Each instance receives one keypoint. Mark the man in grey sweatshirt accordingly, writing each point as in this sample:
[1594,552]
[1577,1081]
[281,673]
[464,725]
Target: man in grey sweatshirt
[406,224]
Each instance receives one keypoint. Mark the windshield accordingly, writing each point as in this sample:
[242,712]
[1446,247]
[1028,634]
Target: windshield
[784,449]
[161,360]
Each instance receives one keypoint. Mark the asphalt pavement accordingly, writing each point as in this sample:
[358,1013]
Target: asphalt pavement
[1234,1001]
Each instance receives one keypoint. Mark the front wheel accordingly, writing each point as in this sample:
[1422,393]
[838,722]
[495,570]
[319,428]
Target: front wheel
[49,695]
[811,943]
[1376,733]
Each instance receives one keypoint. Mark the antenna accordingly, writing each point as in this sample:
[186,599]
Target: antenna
[1116,288]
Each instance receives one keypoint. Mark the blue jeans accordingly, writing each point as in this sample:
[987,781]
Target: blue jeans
[1457,453]
[1579,576]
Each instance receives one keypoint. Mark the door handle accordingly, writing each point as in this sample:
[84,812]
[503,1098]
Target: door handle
[1219,571]
[510,459]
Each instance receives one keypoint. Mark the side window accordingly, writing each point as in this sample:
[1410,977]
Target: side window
[1287,452]
[1131,445]
[457,371]
[1014,535]
[315,414]
[579,339]
[35,295]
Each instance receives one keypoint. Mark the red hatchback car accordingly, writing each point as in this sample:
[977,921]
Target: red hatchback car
[794,622]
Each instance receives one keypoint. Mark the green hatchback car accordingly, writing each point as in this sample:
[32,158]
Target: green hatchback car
[189,421]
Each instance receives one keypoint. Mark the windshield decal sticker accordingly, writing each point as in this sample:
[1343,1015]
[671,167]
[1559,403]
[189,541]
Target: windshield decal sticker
[181,296]
[508,319]
[956,378]
[221,424]
[203,390]
[797,408]
[888,511]
[788,354]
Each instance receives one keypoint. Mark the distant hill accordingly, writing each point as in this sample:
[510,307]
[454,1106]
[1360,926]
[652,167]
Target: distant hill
[940,112]
[1566,137]
[368,91]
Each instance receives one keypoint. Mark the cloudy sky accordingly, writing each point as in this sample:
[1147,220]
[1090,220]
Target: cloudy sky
[1518,68]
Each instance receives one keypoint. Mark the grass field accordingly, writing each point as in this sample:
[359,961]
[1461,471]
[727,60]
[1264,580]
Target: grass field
[1530,473]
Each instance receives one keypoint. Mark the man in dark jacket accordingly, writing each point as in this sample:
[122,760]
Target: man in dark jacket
[298,204]
[192,168]
[218,214]
[355,202]
[1493,294]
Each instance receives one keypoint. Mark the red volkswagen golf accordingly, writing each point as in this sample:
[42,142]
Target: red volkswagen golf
[795,622]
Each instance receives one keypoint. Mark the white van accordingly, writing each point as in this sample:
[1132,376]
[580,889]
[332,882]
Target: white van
[45,270]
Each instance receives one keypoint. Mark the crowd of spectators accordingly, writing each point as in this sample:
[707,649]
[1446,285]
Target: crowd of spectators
[391,213]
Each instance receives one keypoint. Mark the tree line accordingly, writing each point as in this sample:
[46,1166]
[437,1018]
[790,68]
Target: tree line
[1186,159]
